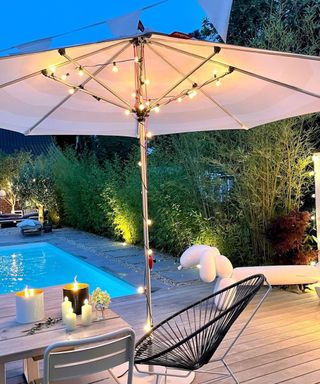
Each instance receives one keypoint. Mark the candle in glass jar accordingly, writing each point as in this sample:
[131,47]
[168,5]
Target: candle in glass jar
[70,320]
[86,313]
[65,306]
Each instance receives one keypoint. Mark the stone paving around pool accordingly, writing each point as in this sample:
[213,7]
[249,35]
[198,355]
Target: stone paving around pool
[124,261]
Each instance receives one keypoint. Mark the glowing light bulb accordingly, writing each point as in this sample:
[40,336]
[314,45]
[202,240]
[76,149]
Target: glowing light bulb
[136,59]
[148,103]
[63,77]
[149,135]
[141,107]
[157,108]
[198,266]
[147,328]
[147,81]
[192,94]
[150,252]
[51,69]
[313,195]
[149,222]
[179,99]
[140,290]
[80,71]
[133,94]
[313,217]
[124,244]
[214,73]
[139,163]
[218,83]
[313,263]
[114,67]
[311,173]
[71,91]
[127,112]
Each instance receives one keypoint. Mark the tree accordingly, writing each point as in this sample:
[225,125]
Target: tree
[10,168]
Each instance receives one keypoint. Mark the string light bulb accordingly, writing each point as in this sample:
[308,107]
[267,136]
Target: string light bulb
[147,328]
[157,108]
[141,290]
[218,83]
[80,71]
[192,94]
[214,73]
[71,91]
[147,82]
[149,135]
[149,222]
[136,59]
[139,163]
[114,67]
[313,217]
[141,107]
[64,77]
[150,252]
[51,69]
[311,173]
[313,195]
[127,112]
[179,99]
[133,94]
[148,103]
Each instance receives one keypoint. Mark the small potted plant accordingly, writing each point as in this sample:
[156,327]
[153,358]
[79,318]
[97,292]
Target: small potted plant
[101,300]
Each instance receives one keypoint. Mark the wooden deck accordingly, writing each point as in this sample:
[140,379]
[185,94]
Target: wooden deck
[282,344]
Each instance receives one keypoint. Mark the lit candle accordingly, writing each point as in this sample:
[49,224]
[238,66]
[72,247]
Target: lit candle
[65,306]
[86,313]
[70,320]
[29,305]
[76,293]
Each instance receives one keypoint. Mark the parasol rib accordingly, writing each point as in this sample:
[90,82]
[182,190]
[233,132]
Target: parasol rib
[26,77]
[243,71]
[205,60]
[69,96]
[93,77]
[200,90]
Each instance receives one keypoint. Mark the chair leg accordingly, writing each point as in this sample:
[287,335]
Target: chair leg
[230,371]
[220,374]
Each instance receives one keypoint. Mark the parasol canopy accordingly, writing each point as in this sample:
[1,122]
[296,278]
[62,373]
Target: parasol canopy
[197,85]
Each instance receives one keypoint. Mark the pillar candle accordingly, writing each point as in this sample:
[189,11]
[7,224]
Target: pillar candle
[65,306]
[70,320]
[86,313]
[29,305]
[76,293]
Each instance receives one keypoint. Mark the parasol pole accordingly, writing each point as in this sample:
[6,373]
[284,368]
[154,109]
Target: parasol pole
[144,192]
[141,116]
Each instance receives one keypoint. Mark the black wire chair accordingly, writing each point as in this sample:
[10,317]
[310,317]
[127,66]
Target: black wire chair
[188,339]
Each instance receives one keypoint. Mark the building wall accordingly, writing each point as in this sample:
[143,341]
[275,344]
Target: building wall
[5,207]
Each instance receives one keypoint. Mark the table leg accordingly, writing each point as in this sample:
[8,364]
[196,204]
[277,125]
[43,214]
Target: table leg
[2,373]
[31,369]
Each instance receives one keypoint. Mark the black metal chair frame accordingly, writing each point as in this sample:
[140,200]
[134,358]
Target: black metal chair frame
[189,350]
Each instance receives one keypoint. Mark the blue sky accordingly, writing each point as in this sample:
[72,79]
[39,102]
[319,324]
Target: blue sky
[23,21]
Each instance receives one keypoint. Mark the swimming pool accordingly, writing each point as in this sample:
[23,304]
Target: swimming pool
[41,265]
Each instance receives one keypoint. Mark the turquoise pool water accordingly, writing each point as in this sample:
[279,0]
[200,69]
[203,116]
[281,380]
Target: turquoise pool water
[41,265]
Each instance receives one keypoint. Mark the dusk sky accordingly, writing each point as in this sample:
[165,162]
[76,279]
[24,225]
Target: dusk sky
[25,21]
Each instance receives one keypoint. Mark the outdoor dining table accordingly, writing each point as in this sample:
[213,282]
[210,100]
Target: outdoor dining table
[17,344]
